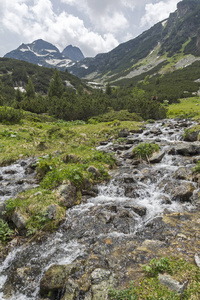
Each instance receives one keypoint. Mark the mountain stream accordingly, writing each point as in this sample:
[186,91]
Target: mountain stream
[102,233]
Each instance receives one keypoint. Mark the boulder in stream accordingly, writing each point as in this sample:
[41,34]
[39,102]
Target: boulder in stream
[55,279]
[187,149]
[157,157]
[183,192]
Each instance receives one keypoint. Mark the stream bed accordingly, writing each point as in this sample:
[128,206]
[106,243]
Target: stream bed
[102,241]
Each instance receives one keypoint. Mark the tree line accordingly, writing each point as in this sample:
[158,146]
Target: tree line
[81,104]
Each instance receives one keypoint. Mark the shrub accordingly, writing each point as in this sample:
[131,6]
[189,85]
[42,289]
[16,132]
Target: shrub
[5,231]
[10,115]
[158,266]
[145,150]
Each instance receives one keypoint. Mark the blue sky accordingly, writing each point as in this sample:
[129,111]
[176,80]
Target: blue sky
[95,26]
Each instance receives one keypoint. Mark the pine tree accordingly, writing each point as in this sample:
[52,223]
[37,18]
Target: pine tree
[56,87]
[30,90]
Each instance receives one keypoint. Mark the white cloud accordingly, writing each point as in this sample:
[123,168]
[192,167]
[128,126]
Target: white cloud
[158,11]
[95,26]
[40,21]
[106,16]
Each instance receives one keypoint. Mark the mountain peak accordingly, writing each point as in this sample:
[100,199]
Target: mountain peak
[73,53]
[43,53]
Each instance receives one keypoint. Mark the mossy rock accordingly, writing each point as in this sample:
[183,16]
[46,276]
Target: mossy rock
[55,279]
[192,134]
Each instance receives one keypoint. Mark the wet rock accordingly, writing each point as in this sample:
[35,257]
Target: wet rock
[11,172]
[187,149]
[133,140]
[172,284]
[128,178]
[18,220]
[165,200]
[130,190]
[68,194]
[139,210]
[191,136]
[157,157]
[182,192]
[55,279]
[118,147]
[155,131]
[123,133]
[51,212]
[94,171]
[183,173]
[128,154]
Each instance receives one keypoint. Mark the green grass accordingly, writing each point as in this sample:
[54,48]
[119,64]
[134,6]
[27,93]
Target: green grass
[149,288]
[189,107]
[65,151]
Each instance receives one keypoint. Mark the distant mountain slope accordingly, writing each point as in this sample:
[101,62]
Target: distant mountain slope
[16,73]
[45,54]
[169,41]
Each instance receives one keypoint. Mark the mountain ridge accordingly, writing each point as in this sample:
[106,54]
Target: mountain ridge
[45,54]
[176,36]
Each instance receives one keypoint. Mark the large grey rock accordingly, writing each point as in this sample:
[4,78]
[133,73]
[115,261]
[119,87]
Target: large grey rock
[187,149]
[128,154]
[18,220]
[183,173]
[172,284]
[183,192]
[191,136]
[55,279]
[157,157]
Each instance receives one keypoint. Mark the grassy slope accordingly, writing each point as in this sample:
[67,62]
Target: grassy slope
[189,107]
[51,142]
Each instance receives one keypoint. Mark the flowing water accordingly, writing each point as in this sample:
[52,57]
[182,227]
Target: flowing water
[135,195]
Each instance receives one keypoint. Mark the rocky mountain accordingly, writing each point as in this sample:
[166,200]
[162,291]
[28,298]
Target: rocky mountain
[169,45]
[73,53]
[45,54]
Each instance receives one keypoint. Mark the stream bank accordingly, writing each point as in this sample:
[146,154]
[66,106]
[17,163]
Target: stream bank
[145,211]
